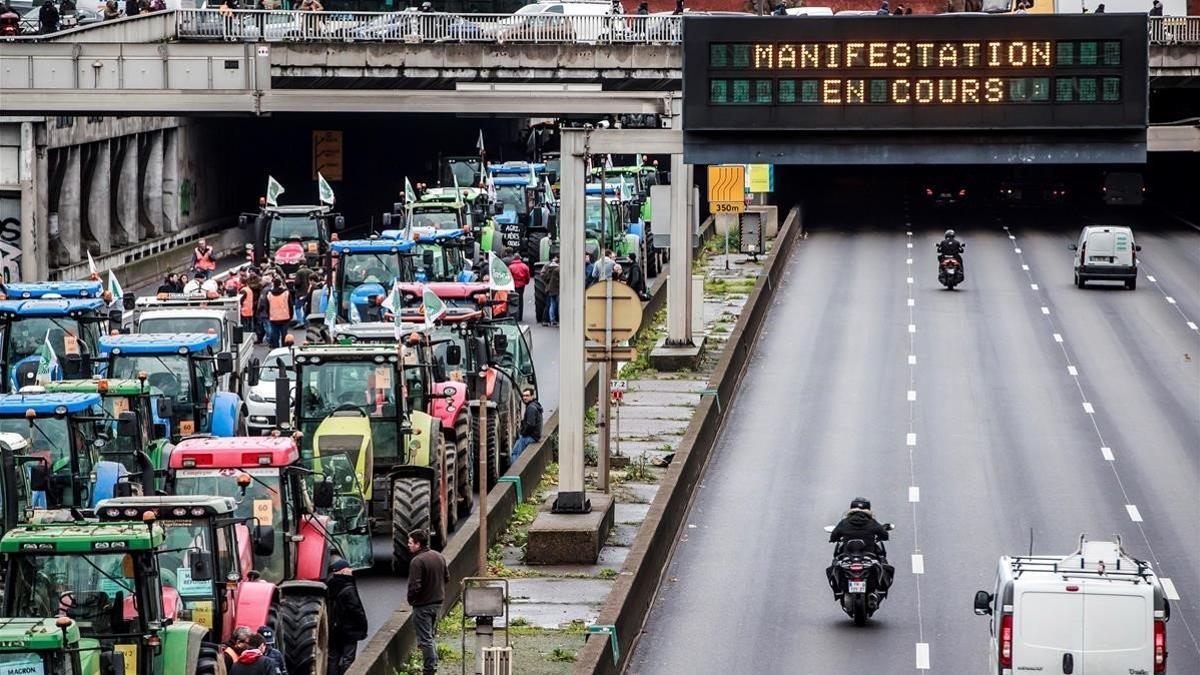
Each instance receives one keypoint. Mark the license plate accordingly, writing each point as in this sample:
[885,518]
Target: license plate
[858,587]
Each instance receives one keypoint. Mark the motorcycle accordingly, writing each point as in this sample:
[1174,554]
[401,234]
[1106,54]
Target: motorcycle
[950,272]
[856,574]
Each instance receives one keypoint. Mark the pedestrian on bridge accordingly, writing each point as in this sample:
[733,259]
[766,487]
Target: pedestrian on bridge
[131,7]
[427,579]
[520,275]
[1156,9]
[48,17]
[883,9]
[111,10]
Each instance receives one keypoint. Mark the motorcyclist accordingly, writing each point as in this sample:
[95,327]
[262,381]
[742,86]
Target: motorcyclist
[950,247]
[859,523]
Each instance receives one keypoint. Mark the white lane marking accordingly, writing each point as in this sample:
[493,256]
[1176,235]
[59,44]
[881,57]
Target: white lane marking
[1058,337]
[1193,326]
[1170,299]
[912,394]
[1072,371]
[910,244]
[911,302]
[914,493]
[1134,514]
[908,233]
[1169,588]
[922,656]
[1025,268]
[912,327]
[1087,408]
[1106,452]
[908,261]
[918,563]
[1151,279]
[1045,310]
[910,440]
[909,280]
[912,359]
[1016,250]
[1012,237]
[1033,286]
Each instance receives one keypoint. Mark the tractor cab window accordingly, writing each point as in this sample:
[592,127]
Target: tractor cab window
[28,336]
[180,324]
[36,663]
[54,440]
[513,199]
[91,589]
[447,219]
[346,468]
[168,373]
[439,270]
[263,500]
[185,539]
[285,228]
[346,386]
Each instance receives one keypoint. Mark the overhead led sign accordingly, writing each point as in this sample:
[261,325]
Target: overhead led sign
[935,72]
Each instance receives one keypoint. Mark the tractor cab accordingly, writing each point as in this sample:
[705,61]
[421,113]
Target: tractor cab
[199,313]
[297,498]
[367,267]
[46,338]
[464,170]
[71,290]
[45,647]
[61,465]
[105,579]
[130,430]
[291,235]
[187,368]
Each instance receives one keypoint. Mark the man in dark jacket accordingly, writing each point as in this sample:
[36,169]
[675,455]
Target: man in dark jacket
[531,423]
[131,8]
[252,661]
[347,617]
[48,17]
[950,247]
[427,579]
[636,278]
[270,651]
[859,523]
[550,277]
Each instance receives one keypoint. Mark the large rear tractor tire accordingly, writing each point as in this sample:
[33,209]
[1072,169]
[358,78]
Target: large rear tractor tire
[206,660]
[304,623]
[539,299]
[451,472]
[462,442]
[412,508]
[493,448]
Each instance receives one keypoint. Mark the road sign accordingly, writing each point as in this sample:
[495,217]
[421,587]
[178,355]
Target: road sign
[625,312]
[760,178]
[727,189]
[327,154]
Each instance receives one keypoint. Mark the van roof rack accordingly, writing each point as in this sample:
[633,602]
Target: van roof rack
[1099,560]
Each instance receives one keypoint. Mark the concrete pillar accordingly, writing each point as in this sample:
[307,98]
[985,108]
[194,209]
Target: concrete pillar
[41,247]
[99,198]
[170,181]
[125,231]
[68,244]
[31,220]
[679,296]
[572,497]
[152,185]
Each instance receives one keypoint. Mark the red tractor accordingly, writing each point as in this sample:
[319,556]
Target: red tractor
[272,485]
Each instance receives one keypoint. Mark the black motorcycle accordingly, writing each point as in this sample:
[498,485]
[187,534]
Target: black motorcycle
[858,576]
[950,272]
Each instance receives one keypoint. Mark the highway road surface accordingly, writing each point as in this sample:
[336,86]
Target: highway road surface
[1017,404]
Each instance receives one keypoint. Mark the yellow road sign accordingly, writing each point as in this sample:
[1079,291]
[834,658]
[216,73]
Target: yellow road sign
[727,189]
[327,154]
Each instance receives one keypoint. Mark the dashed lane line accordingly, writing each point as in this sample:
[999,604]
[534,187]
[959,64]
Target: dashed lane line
[1169,298]
[1134,514]
[914,491]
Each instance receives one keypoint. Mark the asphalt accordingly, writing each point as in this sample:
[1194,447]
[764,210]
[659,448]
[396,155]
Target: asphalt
[998,442]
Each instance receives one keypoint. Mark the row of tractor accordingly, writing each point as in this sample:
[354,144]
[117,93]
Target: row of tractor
[141,524]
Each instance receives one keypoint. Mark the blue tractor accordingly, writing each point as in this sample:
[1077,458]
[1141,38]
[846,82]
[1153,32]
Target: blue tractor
[187,368]
[55,289]
[364,268]
[70,328]
[60,467]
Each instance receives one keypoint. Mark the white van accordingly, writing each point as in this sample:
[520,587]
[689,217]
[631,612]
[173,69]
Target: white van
[1097,611]
[1106,253]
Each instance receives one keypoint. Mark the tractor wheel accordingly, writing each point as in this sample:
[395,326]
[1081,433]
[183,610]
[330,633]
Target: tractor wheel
[206,660]
[412,509]
[493,448]
[462,443]
[532,245]
[450,469]
[304,624]
[539,299]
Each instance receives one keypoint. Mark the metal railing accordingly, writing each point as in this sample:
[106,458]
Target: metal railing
[1175,30]
[423,27]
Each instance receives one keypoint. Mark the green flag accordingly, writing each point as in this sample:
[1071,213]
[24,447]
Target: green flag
[274,189]
[434,307]
[410,195]
[499,278]
[324,191]
[47,362]
[114,287]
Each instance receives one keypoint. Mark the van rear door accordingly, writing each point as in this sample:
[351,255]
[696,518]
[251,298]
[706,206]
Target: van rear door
[1048,627]
[1100,248]
[1118,629]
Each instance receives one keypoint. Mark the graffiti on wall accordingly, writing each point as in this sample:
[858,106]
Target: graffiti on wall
[10,236]
[187,192]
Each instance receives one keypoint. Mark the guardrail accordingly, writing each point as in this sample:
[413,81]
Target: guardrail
[420,27]
[1175,30]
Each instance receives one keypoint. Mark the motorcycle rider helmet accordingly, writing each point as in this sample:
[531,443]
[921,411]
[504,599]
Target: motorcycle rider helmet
[949,234]
[860,503]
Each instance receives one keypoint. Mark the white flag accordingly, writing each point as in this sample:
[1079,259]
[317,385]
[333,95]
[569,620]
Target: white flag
[499,278]
[479,144]
[114,286]
[274,189]
[324,191]
[410,195]
[92,264]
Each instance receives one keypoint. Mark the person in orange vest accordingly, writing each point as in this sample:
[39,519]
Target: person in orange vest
[204,258]
[278,305]
[246,308]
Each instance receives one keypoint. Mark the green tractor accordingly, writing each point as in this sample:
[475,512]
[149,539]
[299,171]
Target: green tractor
[48,647]
[104,578]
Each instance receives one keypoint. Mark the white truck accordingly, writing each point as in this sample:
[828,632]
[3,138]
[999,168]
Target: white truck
[1097,610]
[199,313]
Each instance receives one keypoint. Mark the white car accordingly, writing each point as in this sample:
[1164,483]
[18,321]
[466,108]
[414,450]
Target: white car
[260,399]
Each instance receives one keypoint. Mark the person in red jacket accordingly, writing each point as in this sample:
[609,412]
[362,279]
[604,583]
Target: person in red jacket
[520,275]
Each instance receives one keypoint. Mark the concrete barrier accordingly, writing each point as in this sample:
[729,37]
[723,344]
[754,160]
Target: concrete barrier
[388,649]
[633,593]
